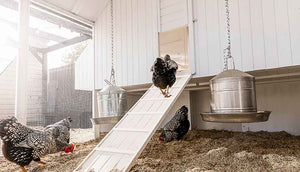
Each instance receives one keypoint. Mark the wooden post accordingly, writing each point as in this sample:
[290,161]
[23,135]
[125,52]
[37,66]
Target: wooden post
[44,86]
[22,62]
[96,128]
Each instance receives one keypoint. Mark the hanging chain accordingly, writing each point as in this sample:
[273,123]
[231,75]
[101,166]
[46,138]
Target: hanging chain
[112,74]
[227,50]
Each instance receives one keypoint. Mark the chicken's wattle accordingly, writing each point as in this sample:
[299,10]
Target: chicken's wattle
[69,149]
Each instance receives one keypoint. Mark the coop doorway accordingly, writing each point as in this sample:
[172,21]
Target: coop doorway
[175,43]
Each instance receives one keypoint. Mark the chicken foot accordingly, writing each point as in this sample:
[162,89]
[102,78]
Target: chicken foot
[167,92]
[41,162]
[164,93]
[23,169]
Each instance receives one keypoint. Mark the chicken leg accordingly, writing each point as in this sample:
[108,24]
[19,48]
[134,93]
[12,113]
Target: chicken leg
[162,92]
[23,169]
[41,162]
[167,91]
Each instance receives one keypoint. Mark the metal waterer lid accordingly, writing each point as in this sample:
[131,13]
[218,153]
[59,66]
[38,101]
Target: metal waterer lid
[111,89]
[232,73]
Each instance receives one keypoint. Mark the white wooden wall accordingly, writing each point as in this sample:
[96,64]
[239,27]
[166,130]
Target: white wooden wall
[34,90]
[84,69]
[173,14]
[136,41]
[265,34]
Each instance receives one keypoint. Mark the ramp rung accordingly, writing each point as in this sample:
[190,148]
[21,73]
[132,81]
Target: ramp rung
[144,113]
[130,130]
[155,99]
[115,151]
[155,88]
[131,134]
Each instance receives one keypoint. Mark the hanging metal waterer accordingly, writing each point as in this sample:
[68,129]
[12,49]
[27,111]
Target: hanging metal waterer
[233,96]
[112,100]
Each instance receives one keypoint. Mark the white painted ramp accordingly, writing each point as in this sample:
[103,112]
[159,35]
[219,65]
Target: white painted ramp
[124,143]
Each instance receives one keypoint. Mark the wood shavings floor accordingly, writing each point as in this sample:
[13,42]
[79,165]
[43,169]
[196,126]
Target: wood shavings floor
[198,151]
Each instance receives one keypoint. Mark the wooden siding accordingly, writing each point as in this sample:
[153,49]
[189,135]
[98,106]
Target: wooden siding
[34,91]
[173,14]
[84,69]
[265,34]
[135,39]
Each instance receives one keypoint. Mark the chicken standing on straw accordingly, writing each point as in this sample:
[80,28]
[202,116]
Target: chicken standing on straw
[164,74]
[177,127]
[22,144]
[61,132]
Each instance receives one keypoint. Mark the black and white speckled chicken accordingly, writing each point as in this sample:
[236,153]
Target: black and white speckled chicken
[61,132]
[22,144]
[177,127]
[164,74]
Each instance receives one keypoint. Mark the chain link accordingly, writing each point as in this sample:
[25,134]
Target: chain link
[227,50]
[112,74]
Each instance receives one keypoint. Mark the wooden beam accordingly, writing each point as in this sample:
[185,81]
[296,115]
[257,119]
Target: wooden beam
[35,54]
[50,18]
[44,86]
[36,33]
[22,62]
[63,13]
[65,43]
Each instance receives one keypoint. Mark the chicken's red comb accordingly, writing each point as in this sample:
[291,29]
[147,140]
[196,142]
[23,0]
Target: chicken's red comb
[160,139]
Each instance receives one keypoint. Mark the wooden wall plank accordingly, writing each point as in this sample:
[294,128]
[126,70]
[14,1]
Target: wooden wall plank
[124,52]
[213,36]
[271,49]
[283,33]
[235,33]
[257,28]
[201,59]
[173,14]
[294,16]
[246,35]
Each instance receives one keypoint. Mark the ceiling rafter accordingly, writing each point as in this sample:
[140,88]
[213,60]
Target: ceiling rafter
[50,18]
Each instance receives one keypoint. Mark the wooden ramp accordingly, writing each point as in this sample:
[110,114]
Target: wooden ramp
[124,143]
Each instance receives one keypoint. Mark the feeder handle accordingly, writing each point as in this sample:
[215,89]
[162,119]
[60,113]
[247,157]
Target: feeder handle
[109,83]
[227,50]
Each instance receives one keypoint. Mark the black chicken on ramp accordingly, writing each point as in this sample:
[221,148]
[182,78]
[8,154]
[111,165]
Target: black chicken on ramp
[22,144]
[177,127]
[164,74]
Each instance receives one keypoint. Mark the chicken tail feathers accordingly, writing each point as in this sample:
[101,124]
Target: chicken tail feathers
[12,131]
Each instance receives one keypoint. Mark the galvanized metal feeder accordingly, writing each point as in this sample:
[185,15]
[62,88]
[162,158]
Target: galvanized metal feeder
[112,104]
[233,97]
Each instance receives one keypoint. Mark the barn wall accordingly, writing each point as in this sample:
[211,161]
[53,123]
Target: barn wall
[7,91]
[265,34]
[173,14]
[34,92]
[135,39]
[84,69]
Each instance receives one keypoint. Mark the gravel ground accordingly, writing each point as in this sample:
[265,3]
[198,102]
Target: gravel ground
[198,151]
